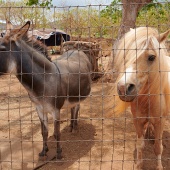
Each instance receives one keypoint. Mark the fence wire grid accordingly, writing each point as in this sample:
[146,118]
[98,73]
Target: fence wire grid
[27,66]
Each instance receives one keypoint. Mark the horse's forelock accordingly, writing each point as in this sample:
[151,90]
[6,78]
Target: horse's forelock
[133,45]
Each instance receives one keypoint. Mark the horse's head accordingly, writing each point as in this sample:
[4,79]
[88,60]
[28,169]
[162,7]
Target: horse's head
[141,55]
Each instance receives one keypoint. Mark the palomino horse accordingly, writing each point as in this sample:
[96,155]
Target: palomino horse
[144,84]
[50,85]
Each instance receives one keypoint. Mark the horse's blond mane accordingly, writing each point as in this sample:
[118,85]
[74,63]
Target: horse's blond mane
[128,50]
[132,45]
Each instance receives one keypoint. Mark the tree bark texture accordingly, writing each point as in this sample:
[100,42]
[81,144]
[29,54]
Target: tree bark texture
[129,13]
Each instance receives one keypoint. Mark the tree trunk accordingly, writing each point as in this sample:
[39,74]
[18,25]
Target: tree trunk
[129,14]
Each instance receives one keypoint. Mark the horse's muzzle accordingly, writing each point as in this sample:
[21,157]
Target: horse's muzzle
[127,92]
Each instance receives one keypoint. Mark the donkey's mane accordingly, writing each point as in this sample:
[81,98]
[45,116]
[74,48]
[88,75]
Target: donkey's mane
[37,45]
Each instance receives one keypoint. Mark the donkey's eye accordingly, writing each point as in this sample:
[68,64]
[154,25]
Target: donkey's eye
[151,57]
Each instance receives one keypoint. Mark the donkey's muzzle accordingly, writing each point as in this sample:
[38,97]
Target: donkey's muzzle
[127,92]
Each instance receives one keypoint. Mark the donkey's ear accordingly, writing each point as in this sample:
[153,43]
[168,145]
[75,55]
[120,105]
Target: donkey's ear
[9,27]
[163,36]
[18,33]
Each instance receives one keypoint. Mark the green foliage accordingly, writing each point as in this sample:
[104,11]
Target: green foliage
[77,21]
[32,2]
[43,3]
[112,11]
[18,14]
[84,22]
[111,17]
[154,15]
[91,22]
[88,22]
[105,23]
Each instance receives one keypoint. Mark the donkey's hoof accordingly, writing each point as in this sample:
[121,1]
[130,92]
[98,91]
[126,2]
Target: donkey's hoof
[73,129]
[70,128]
[43,152]
[59,153]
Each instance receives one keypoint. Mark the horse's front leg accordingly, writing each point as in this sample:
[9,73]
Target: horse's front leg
[44,129]
[158,147]
[56,118]
[139,125]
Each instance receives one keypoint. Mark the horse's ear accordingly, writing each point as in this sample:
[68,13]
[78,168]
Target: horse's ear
[18,33]
[163,36]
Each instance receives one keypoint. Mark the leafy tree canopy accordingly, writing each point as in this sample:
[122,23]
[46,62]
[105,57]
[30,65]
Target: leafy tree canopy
[114,8]
[18,15]
[111,9]
[42,3]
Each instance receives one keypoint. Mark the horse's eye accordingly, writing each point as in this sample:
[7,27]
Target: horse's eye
[151,57]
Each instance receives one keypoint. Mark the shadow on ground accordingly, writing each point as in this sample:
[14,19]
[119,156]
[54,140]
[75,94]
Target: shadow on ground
[74,146]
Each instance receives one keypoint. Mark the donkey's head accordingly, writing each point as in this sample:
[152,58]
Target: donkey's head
[13,34]
[10,47]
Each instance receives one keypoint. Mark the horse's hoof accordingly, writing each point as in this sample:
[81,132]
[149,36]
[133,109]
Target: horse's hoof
[138,166]
[59,153]
[159,168]
[43,152]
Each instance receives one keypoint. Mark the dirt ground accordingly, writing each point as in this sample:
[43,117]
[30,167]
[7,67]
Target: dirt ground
[100,143]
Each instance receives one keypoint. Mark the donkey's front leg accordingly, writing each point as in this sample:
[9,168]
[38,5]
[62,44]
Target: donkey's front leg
[44,130]
[56,117]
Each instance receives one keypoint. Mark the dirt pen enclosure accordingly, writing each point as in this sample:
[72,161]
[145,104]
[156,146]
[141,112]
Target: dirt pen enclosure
[100,143]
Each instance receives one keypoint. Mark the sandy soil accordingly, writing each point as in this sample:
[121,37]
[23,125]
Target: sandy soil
[100,143]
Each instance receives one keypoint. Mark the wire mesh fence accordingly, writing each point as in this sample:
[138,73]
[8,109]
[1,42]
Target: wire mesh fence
[47,79]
